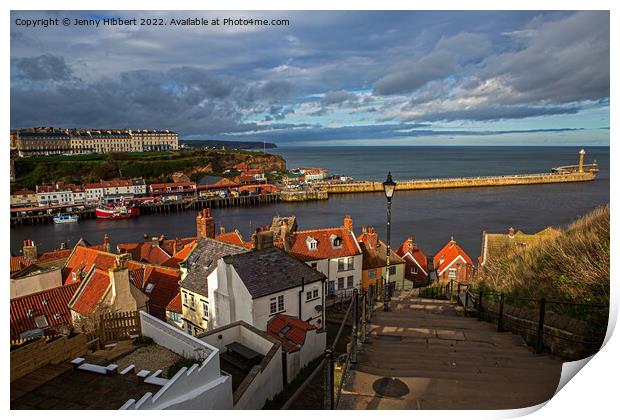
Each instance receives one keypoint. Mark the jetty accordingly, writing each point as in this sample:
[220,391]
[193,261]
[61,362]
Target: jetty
[464,182]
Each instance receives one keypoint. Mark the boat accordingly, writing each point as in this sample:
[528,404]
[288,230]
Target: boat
[66,218]
[117,212]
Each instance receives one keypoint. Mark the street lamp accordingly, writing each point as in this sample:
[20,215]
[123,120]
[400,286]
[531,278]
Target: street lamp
[389,186]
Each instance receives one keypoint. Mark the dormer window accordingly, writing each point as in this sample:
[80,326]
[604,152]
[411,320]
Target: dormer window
[336,241]
[311,243]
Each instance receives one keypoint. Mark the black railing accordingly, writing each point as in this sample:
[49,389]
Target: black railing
[535,326]
[358,314]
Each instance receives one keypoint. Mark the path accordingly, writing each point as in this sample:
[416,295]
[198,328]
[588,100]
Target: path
[441,360]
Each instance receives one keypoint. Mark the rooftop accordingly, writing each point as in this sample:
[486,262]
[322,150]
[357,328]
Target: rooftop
[203,260]
[271,270]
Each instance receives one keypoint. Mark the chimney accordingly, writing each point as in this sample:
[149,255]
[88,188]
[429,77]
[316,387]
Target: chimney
[63,245]
[284,231]
[205,225]
[371,234]
[348,222]
[410,244]
[106,243]
[122,299]
[511,232]
[154,241]
[262,239]
[222,230]
[30,251]
[452,241]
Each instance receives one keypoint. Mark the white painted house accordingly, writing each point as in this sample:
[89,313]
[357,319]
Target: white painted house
[334,252]
[255,286]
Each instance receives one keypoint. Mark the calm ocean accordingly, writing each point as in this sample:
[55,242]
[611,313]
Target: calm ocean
[430,216]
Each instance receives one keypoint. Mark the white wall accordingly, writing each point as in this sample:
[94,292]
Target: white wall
[267,381]
[313,347]
[200,387]
[261,313]
[36,283]
[229,300]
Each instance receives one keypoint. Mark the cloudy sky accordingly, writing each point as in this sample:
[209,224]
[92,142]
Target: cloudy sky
[328,78]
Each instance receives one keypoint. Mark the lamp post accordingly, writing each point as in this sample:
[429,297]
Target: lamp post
[389,186]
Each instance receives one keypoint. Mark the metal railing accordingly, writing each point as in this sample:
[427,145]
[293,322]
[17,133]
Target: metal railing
[358,314]
[473,301]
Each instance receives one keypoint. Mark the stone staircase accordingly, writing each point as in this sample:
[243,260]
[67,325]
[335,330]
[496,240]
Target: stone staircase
[424,354]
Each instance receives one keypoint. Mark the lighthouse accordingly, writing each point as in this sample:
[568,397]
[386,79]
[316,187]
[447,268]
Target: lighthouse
[582,153]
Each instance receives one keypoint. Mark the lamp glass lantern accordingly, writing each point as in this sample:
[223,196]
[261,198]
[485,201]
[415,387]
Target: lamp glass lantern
[389,186]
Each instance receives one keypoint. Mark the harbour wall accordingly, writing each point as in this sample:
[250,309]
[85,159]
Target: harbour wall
[467,182]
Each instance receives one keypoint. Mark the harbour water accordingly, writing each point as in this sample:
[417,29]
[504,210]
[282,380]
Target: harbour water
[431,216]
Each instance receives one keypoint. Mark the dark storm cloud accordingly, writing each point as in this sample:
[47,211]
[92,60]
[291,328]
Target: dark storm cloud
[40,69]
[328,74]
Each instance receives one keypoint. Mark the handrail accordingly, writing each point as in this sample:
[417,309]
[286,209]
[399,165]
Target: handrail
[321,366]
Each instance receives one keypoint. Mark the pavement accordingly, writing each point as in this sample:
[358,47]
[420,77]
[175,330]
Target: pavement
[424,354]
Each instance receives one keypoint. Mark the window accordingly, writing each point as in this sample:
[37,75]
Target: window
[308,296]
[341,264]
[184,300]
[312,294]
[350,263]
[372,274]
[452,273]
[340,283]
[191,301]
[311,243]
[315,293]
[414,269]
[205,310]
[276,304]
[349,282]
[392,270]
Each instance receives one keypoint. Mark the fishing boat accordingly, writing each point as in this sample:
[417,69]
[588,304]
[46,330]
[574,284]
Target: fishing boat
[66,218]
[117,212]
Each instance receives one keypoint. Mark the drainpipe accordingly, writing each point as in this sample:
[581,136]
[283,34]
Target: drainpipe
[300,294]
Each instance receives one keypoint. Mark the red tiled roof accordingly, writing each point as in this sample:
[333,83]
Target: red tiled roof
[165,287]
[415,253]
[175,304]
[91,291]
[233,238]
[52,303]
[159,253]
[18,263]
[450,252]
[165,280]
[83,258]
[295,337]
[298,246]
[54,255]
[180,256]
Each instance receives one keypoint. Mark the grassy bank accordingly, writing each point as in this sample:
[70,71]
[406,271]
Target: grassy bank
[153,166]
[572,266]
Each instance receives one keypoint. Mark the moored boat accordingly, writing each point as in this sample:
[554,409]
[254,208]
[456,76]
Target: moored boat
[117,212]
[66,218]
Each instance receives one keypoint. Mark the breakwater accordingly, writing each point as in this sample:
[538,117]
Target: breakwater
[465,182]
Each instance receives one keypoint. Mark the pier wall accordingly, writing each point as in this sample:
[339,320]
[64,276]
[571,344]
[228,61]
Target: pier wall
[488,181]
[303,195]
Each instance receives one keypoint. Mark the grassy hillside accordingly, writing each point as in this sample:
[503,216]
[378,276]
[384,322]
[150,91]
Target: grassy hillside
[153,166]
[572,266]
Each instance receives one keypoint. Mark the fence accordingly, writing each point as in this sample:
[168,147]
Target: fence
[39,353]
[571,330]
[117,325]
[359,314]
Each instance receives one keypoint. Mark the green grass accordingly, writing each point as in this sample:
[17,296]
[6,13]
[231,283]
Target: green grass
[152,166]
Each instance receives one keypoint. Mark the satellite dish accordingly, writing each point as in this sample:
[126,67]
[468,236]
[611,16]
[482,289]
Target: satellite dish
[318,308]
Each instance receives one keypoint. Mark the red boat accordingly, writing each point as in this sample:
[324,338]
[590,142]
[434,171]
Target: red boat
[117,212]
